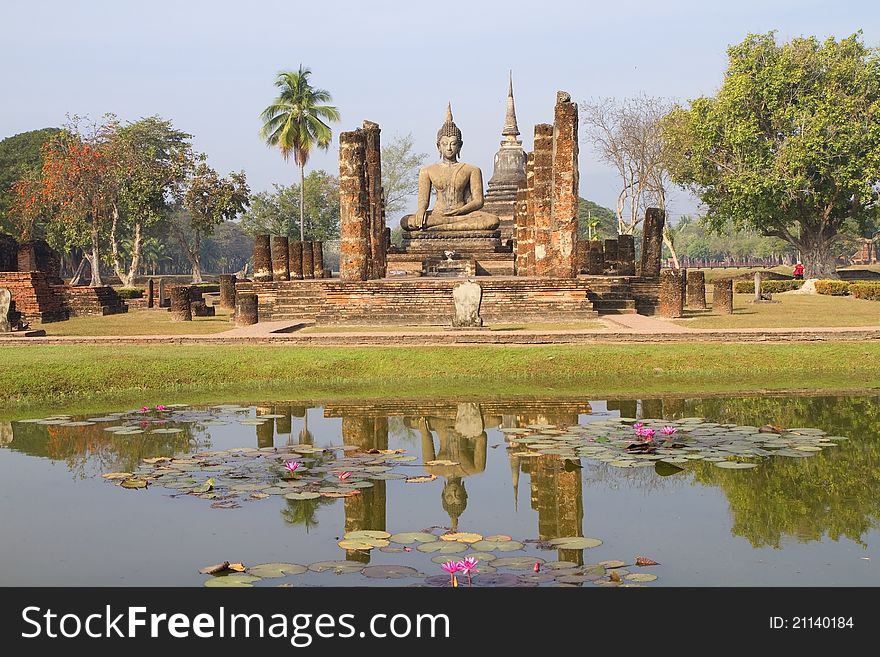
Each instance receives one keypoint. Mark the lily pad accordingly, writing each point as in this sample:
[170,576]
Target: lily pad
[443,547]
[390,572]
[408,538]
[134,483]
[366,534]
[362,544]
[501,546]
[276,569]
[232,581]
[305,495]
[575,543]
[612,563]
[517,563]
[338,567]
[735,465]
[641,577]
[463,537]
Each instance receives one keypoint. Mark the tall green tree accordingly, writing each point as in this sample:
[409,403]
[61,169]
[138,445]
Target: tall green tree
[790,144]
[400,173]
[20,156]
[275,212]
[294,123]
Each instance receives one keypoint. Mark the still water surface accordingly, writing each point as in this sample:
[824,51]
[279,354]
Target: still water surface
[801,520]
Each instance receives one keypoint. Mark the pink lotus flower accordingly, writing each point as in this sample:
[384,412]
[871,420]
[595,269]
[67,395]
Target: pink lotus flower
[451,567]
[668,431]
[648,435]
[537,567]
[467,565]
[160,407]
[145,409]
[638,427]
[344,475]
[292,466]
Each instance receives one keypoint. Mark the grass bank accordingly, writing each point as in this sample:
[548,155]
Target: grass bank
[74,376]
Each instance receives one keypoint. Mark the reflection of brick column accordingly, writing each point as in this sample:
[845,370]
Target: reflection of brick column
[283,423]
[308,260]
[354,213]
[563,227]
[627,407]
[524,233]
[626,255]
[541,203]
[696,290]
[262,259]
[266,430]
[652,409]
[366,510]
[722,296]
[376,202]
[295,260]
[652,242]
[557,496]
[280,263]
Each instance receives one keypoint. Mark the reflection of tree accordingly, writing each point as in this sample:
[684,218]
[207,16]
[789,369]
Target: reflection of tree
[89,450]
[398,429]
[304,512]
[833,493]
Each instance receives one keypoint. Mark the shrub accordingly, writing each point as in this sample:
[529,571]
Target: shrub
[130,292]
[869,291]
[832,287]
[770,287]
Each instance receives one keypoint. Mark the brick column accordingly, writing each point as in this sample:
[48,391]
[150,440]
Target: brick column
[563,226]
[722,296]
[150,293]
[652,242]
[262,259]
[582,257]
[280,259]
[611,256]
[295,260]
[696,290]
[227,291]
[524,233]
[246,312]
[595,259]
[626,255]
[308,261]
[375,200]
[541,202]
[671,293]
[318,259]
[180,308]
[353,207]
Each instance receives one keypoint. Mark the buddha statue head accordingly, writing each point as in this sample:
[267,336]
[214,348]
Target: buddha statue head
[449,137]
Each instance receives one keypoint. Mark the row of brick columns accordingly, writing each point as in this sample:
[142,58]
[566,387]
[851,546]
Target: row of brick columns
[279,259]
[613,257]
[678,285]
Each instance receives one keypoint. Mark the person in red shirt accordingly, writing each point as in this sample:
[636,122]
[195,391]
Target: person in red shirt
[799,271]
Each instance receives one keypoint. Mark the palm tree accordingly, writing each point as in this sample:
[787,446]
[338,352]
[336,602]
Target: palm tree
[293,123]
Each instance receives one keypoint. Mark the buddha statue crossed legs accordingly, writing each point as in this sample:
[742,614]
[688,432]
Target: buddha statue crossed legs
[459,188]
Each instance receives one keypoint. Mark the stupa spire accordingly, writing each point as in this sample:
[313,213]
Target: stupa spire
[510,127]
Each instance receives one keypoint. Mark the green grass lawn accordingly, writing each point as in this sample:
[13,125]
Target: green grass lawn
[732,272]
[794,311]
[139,322]
[59,377]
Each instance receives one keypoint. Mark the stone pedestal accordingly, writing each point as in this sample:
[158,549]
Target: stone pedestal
[201,309]
[318,259]
[295,260]
[246,310]
[722,296]
[696,290]
[652,242]
[227,291]
[262,259]
[467,297]
[436,242]
[5,302]
[595,259]
[610,254]
[150,293]
[450,267]
[280,262]
[308,260]
[671,293]
[626,255]
[180,304]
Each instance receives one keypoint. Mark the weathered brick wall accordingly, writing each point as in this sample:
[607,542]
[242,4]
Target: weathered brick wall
[652,242]
[35,298]
[563,233]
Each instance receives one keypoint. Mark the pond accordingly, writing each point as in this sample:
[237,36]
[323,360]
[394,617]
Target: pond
[539,491]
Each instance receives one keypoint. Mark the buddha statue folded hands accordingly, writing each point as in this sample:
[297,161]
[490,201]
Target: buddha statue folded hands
[458,186]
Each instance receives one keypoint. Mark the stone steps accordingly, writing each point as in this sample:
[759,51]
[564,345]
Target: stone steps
[92,301]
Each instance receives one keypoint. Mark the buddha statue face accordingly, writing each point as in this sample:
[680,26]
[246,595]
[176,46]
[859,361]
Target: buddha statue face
[449,147]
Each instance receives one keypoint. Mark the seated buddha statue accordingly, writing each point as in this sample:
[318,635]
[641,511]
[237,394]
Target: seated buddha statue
[459,189]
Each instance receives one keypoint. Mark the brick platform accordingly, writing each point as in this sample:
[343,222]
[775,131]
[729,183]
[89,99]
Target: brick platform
[92,301]
[420,301]
[34,297]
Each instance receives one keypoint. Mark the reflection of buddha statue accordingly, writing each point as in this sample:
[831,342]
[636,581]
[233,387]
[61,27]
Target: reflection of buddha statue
[459,188]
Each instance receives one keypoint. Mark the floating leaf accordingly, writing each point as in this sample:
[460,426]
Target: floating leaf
[305,495]
[408,538]
[420,479]
[442,462]
[574,543]
[158,459]
[366,534]
[443,547]
[205,487]
[233,581]
[272,570]
[641,577]
[390,572]
[517,563]
[463,537]
[501,546]
[362,544]
[612,563]
[134,483]
[117,475]
[216,568]
[237,567]
[735,465]
[338,567]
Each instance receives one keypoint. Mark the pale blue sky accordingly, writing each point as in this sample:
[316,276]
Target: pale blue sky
[209,66]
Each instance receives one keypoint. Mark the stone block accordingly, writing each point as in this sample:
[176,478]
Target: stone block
[280,259]
[671,293]
[262,259]
[246,311]
[722,296]
[696,290]
[308,260]
[596,259]
[467,297]
[181,310]
[652,242]
[295,260]
[626,255]
[227,291]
